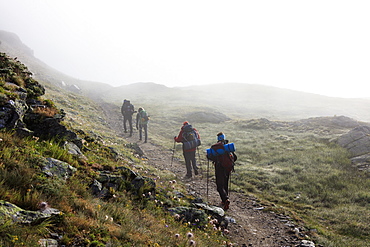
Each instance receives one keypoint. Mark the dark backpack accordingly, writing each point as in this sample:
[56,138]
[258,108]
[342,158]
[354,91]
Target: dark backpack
[222,157]
[127,109]
[189,137]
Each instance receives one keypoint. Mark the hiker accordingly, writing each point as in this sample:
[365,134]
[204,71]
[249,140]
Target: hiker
[142,120]
[190,139]
[127,111]
[223,160]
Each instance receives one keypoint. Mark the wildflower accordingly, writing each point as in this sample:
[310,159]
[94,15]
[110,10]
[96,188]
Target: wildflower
[99,207]
[176,216]
[43,206]
[192,243]
[15,238]
[189,235]
[106,217]
[177,235]
[226,231]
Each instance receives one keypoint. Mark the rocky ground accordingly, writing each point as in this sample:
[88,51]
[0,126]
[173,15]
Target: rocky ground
[250,225]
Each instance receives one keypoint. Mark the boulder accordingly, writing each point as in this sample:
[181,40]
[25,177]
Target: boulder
[56,168]
[11,212]
[48,242]
[306,243]
[357,141]
[194,216]
[74,149]
[122,179]
[12,113]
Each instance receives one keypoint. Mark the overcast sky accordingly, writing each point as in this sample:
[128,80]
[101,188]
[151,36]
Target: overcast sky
[313,46]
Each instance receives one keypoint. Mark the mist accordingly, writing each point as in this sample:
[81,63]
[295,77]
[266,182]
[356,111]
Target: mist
[319,47]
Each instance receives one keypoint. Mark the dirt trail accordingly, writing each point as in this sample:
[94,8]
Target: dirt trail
[252,227]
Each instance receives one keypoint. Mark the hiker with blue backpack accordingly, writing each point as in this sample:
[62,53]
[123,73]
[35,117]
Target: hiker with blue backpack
[190,139]
[223,157]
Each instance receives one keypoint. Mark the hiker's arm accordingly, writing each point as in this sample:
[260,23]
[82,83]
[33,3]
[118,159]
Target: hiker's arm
[235,157]
[179,137]
[196,131]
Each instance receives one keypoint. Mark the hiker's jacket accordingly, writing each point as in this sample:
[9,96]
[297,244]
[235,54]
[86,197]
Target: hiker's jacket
[142,118]
[180,138]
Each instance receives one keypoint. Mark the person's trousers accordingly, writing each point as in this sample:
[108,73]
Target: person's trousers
[222,181]
[190,162]
[145,128]
[129,119]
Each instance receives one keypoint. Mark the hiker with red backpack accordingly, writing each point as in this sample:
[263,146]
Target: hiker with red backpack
[223,157]
[190,139]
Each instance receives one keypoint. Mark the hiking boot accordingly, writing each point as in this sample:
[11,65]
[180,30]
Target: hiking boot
[196,172]
[225,204]
[187,176]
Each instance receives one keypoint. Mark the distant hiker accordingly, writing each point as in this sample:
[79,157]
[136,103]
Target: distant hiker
[223,157]
[127,111]
[142,120]
[190,139]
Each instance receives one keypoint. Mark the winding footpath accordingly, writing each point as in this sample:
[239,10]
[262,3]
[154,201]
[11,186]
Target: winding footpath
[250,225]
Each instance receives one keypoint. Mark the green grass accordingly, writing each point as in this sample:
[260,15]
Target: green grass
[293,170]
[123,221]
[299,172]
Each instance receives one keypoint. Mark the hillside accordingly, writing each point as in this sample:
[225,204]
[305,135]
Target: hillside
[238,100]
[292,182]
[244,100]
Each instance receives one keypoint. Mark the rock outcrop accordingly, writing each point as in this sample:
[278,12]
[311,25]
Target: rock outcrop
[14,214]
[357,142]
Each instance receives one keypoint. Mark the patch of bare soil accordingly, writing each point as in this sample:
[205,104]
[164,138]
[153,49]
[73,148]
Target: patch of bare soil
[250,225]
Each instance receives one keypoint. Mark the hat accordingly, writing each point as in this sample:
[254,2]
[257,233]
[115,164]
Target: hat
[140,109]
[221,136]
[185,123]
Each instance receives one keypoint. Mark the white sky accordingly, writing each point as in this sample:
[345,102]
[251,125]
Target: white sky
[314,46]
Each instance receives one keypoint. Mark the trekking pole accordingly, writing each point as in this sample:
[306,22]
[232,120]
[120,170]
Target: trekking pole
[229,185]
[207,179]
[173,151]
[200,161]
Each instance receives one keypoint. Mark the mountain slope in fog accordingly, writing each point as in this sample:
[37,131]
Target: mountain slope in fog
[237,100]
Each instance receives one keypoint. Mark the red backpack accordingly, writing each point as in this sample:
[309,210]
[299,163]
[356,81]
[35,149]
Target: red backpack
[226,159]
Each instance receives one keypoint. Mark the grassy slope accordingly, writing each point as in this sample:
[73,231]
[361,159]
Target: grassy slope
[297,170]
[292,165]
[125,220]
